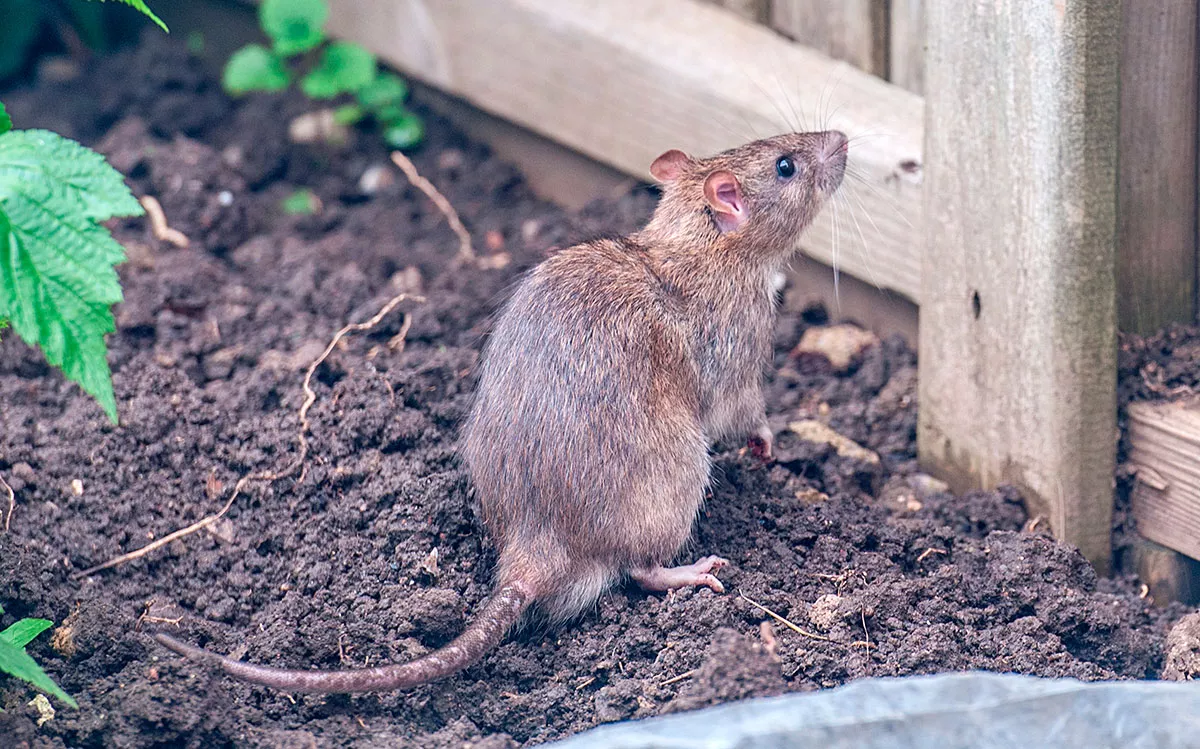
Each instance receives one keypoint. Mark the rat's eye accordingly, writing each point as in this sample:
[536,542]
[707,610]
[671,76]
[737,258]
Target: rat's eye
[785,167]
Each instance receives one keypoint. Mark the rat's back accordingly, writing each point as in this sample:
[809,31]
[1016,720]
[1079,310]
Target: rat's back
[587,397]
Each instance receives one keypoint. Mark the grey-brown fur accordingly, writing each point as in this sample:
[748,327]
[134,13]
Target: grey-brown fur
[610,372]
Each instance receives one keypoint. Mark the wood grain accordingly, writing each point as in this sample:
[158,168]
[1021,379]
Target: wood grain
[1157,196]
[851,30]
[758,11]
[624,80]
[906,42]
[1164,441]
[1018,303]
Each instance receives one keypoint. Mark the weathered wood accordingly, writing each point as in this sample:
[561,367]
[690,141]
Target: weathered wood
[1168,575]
[851,30]
[758,11]
[1157,197]
[624,80]
[1156,235]
[1164,448]
[1018,302]
[906,40]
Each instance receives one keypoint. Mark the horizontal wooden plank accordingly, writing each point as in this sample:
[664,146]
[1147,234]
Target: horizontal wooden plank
[1164,441]
[624,80]
[851,30]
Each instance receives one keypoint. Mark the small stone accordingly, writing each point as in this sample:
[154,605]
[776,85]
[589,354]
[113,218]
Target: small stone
[408,281]
[77,487]
[375,178]
[825,612]
[225,198]
[493,240]
[319,126]
[44,709]
[926,485]
[834,348]
[814,431]
[811,496]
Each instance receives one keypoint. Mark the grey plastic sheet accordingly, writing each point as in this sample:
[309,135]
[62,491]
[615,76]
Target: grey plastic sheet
[947,711]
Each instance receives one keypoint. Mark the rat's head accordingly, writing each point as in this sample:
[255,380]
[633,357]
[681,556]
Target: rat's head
[766,192]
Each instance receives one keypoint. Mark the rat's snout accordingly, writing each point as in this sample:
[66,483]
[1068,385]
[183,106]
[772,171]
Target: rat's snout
[832,150]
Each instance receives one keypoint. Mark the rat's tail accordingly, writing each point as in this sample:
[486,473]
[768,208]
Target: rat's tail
[488,629]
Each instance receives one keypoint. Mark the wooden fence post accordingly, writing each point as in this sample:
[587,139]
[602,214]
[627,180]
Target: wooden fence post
[1018,302]
[1156,258]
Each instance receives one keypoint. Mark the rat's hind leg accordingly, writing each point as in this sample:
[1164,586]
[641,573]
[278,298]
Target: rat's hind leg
[660,579]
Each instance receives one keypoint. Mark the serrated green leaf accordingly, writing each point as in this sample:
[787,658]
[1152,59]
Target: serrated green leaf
[5,120]
[85,177]
[345,67]
[14,661]
[294,26]
[404,132]
[384,89]
[254,68]
[141,6]
[57,280]
[23,631]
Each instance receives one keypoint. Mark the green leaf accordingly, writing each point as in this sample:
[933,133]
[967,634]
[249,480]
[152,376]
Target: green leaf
[57,280]
[141,6]
[5,120]
[300,203]
[386,88]
[14,661]
[344,68]
[294,26]
[254,68]
[23,632]
[348,114]
[404,132]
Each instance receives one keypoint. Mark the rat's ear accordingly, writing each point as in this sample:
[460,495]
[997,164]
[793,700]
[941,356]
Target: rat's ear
[670,165]
[724,196]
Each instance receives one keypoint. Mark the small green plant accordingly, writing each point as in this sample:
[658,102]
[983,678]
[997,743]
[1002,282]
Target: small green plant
[58,280]
[303,202]
[298,42]
[14,661]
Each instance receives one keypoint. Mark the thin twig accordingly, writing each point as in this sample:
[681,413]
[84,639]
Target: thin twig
[465,250]
[12,502]
[310,396]
[158,222]
[783,621]
[925,554]
[679,678]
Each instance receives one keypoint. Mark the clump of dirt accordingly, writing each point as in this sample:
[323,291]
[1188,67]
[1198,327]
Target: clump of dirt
[376,552]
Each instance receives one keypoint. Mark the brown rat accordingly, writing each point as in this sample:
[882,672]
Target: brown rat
[612,369]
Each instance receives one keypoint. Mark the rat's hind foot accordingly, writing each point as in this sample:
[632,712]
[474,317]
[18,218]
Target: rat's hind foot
[661,579]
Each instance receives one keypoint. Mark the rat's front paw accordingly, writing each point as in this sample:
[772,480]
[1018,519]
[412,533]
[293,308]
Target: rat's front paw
[762,444]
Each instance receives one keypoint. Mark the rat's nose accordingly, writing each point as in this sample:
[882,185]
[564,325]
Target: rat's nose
[835,143]
[832,157]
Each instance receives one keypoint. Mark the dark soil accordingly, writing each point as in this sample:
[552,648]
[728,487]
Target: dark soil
[334,568]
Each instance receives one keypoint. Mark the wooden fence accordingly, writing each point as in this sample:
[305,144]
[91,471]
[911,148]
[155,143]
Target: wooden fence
[1031,184]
